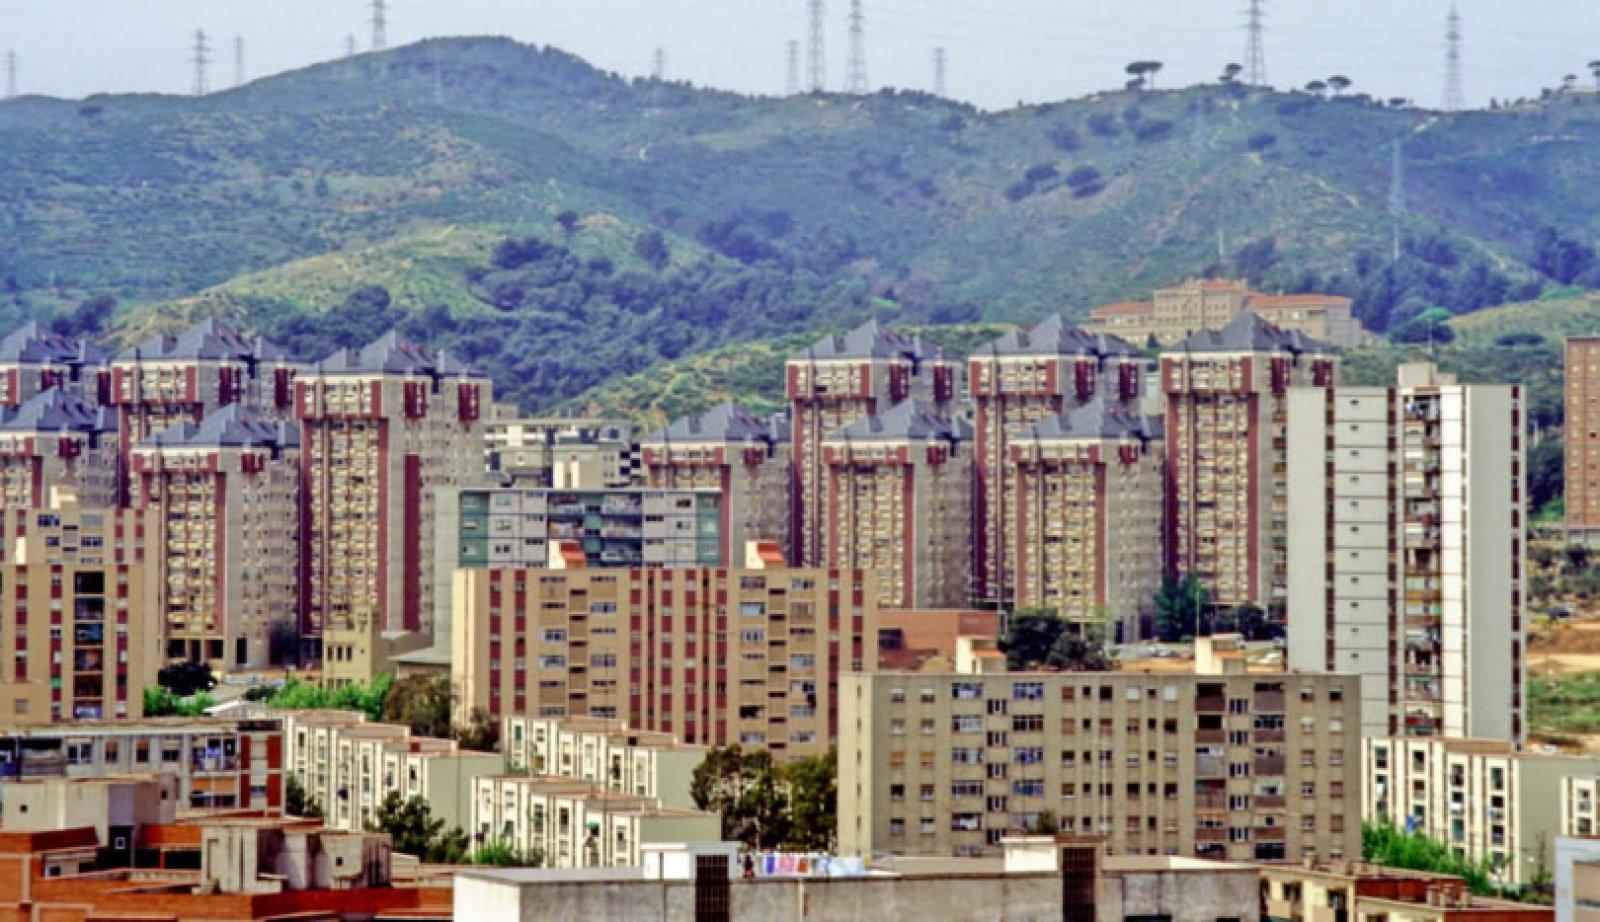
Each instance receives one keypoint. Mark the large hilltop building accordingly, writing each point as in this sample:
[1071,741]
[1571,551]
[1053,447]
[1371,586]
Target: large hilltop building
[382,429]
[1028,376]
[1227,423]
[837,381]
[1211,304]
[222,505]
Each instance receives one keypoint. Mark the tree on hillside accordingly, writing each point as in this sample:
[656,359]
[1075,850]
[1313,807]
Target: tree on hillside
[1231,72]
[1179,605]
[1338,83]
[1316,87]
[742,786]
[1144,72]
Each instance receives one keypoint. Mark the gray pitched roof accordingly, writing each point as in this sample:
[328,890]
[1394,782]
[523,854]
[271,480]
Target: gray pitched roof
[871,340]
[393,354]
[234,426]
[726,422]
[34,345]
[1249,333]
[1056,335]
[1096,419]
[54,410]
[909,420]
[208,340]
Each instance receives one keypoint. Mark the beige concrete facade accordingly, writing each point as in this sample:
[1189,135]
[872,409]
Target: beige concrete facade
[1089,524]
[1227,443]
[711,656]
[1211,304]
[382,430]
[1255,767]
[899,504]
[1483,797]
[222,501]
[1327,891]
[1582,445]
[81,640]
[1406,550]
[608,752]
[104,804]
[349,766]
[563,452]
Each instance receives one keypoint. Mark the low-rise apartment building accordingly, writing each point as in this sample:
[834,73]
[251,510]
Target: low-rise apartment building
[1332,890]
[581,824]
[608,752]
[1484,798]
[564,452]
[218,764]
[1243,766]
[712,656]
[81,640]
[349,766]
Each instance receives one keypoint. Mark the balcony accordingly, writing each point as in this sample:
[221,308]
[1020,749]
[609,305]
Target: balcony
[1267,765]
[1211,736]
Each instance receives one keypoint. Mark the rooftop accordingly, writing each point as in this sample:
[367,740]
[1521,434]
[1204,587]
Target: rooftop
[55,411]
[726,422]
[391,354]
[910,420]
[1058,336]
[235,426]
[1249,333]
[208,340]
[871,340]
[32,344]
[1096,419]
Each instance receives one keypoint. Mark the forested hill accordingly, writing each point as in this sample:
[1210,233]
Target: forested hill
[563,226]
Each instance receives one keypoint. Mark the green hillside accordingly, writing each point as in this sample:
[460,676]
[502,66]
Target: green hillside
[670,220]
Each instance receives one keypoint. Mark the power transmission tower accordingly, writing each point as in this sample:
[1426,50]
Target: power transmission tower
[1255,54]
[856,83]
[792,84]
[658,65]
[201,58]
[1397,194]
[380,25]
[238,60]
[941,64]
[816,72]
[11,74]
[1455,97]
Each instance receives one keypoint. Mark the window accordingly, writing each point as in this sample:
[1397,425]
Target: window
[966,691]
[1027,691]
[966,723]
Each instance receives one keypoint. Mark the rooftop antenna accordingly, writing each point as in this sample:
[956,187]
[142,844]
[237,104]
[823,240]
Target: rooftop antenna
[1255,55]
[941,64]
[658,65]
[1455,98]
[856,81]
[380,25]
[815,71]
[201,58]
[238,60]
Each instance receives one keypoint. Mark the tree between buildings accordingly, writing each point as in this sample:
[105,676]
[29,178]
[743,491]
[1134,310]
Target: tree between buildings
[1039,637]
[766,806]
[298,802]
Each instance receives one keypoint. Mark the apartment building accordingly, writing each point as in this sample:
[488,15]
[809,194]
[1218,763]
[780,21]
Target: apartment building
[743,456]
[1025,377]
[1358,890]
[1261,767]
[1582,490]
[218,764]
[222,504]
[1485,798]
[1212,304]
[79,640]
[383,429]
[1227,470]
[536,528]
[581,824]
[714,657]
[563,452]
[835,382]
[609,752]
[1088,531]
[53,440]
[1406,550]
[172,379]
[349,766]
[33,359]
[898,502]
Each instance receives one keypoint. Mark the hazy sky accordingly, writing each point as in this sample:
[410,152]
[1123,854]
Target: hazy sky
[1000,51]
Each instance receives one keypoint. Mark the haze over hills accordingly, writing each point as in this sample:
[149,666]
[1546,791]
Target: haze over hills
[653,221]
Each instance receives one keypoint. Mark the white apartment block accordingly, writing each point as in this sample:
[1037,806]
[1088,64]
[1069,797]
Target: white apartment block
[643,763]
[1481,797]
[1406,550]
